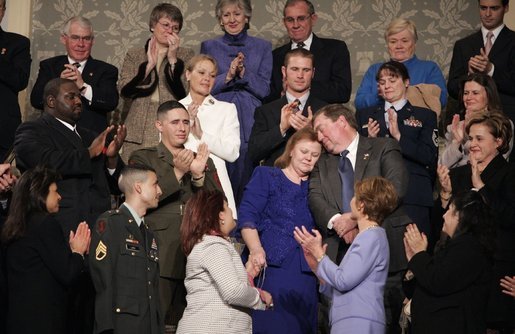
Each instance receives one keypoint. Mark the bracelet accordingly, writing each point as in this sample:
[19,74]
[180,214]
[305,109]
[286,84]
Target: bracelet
[319,259]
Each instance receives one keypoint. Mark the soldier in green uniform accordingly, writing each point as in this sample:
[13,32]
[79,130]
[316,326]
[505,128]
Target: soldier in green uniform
[124,260]
[180,173]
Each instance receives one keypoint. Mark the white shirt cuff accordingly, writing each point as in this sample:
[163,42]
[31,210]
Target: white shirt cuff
[330,223]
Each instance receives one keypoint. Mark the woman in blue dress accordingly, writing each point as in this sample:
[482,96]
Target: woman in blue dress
[274,202]
[244,71]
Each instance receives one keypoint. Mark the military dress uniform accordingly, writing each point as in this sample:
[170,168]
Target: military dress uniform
[165,221]
[124,268]
[419,148]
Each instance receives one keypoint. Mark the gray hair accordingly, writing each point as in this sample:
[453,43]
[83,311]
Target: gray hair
[243,4]
[81,21]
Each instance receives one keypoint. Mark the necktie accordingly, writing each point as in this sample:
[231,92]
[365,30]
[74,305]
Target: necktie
[297,107]
[143,228]
[488,44]
[347,177]
[76,65]
[300,45]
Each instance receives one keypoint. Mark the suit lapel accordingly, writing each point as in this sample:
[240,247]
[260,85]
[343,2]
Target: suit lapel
[363,156]
[62,129]
[132,226]
[89,70]
[164,154]
[333,179]
[500,44]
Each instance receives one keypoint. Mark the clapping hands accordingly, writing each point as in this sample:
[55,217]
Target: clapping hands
[414,241]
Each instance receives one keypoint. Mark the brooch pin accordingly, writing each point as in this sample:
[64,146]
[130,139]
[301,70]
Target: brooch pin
[211,101]
[90,74]
[4,51]
[366,156]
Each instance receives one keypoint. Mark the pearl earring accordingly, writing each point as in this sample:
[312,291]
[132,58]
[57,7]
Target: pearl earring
[222,222]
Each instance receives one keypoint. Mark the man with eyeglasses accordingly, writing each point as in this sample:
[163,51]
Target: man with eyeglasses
[95,79]
[14,77]
[332,81]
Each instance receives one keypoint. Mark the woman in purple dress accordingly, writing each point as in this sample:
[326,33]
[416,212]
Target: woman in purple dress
[244,70]
[274,203]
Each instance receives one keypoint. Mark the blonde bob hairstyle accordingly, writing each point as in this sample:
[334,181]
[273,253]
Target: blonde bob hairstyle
[398,25]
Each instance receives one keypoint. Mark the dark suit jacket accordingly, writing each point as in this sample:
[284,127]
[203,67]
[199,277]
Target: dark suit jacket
[375,157]
[332,82]
[99,75]
[166,220]
[14,77]
[419,147]
[499,194]
[451,288]
[125,271]
[266,142]
[502,55]
[85,186]
[40,268]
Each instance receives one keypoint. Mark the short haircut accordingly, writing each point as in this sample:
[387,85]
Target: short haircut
[378,196]
[201,217]
[165,107]
[498,124]
[243,4]
[198,58]
[311,8]
[393,68]
[494,101]
[398,25]
[167,10]
[299,52]
[131,174]
[504,2]
[334,111]
[306,133]
[82,21]
[53,87]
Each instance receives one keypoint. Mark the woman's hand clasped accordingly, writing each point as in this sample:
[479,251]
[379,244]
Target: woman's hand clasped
[79,241]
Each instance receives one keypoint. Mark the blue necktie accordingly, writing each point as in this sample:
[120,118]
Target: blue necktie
[347,176]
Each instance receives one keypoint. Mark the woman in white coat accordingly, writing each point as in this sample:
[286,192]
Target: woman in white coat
[212,122]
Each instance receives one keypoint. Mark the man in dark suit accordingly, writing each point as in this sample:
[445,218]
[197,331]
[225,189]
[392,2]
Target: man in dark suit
[95,79]
[337,131]
[332,81]
[277,121]
[88,167]
[14,77]
[127,281]
[180,173]
[491,50]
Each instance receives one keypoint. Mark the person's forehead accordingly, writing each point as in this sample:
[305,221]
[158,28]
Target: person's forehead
[296,61]
[177,114]
[299,8]
[67,87]
[76,28]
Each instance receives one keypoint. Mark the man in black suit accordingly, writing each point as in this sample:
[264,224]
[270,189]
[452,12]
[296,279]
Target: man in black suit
[277,121]
[88,166]
[337,131]
[14,77]
[491,50]
[95,79]
[332,81]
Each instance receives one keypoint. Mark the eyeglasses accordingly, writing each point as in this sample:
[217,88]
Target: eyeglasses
[299,19]
[77,38]
[168,26]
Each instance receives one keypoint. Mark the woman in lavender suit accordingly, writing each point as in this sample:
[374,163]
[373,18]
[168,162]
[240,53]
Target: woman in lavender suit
[356,286]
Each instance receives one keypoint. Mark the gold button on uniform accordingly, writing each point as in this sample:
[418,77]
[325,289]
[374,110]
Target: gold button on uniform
[118,310]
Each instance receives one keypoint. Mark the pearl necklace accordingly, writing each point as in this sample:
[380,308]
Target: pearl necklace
[369,227]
